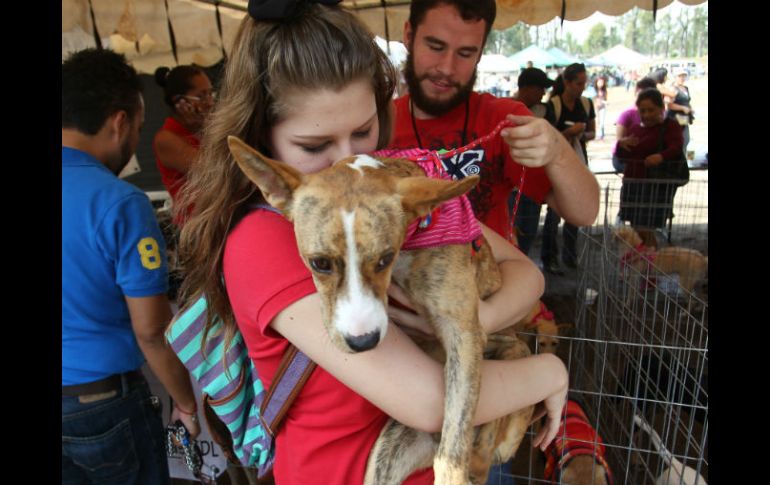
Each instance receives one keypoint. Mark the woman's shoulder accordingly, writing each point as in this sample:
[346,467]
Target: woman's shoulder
[262,224]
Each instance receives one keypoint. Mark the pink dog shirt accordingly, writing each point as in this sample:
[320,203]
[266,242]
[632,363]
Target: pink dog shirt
[453,222]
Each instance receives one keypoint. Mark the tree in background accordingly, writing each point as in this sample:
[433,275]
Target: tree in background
[682,35]
[665,31]
[509,41]
[596,41]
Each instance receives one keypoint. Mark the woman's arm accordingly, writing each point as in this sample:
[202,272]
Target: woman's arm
[173,151]
[667,90]
[523,284]
[399,378]
[679,107]
[590,132]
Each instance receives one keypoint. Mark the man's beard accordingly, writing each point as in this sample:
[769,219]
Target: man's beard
[126,152]
[428,105]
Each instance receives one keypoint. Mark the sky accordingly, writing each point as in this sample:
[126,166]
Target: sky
[580,29]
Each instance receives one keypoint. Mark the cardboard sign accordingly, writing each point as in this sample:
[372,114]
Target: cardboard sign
[214,461]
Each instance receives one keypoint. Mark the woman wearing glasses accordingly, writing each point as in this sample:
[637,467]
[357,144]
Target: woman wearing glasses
[189,94]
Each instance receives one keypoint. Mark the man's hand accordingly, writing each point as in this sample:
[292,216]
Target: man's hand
[192,425]
[534,143]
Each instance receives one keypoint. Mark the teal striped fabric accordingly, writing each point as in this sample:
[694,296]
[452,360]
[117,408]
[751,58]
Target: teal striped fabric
[231,382]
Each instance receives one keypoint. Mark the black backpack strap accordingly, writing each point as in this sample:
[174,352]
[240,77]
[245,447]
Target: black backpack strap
[219,27]
[97,38]
[171,34]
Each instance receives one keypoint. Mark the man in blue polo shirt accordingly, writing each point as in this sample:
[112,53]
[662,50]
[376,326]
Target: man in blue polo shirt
[114,281]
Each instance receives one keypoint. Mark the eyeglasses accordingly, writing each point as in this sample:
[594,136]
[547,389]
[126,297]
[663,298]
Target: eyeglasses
[212,96]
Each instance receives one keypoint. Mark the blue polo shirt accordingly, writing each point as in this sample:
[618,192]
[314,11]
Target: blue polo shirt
[112,247]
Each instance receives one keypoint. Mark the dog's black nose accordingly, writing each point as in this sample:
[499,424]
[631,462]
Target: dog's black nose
[363,342]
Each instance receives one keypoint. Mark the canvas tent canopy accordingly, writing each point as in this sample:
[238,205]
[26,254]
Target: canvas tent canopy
[619,55]
[563,59]
[141,29]
[538,57]
[496,63]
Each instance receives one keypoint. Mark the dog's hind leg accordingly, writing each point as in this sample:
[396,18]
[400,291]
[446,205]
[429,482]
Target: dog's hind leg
[397,453]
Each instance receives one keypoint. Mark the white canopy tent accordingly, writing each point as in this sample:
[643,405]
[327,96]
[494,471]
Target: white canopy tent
[140,28]
[395,50]
[496,63]
[620,55]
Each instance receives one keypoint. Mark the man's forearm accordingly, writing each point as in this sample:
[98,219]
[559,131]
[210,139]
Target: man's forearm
[169,370]
[575,192]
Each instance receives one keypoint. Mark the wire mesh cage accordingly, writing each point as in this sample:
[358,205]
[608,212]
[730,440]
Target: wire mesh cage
[638,358]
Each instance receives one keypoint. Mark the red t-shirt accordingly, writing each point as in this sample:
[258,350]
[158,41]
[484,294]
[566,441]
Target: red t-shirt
[492,160]
[328,431]
[172,179]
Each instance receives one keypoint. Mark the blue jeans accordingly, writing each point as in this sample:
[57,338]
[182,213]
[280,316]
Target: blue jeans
[527,220]
[550,248]
[500,474]
[115,441]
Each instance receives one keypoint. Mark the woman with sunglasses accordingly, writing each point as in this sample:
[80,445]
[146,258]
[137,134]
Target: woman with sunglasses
[189,93]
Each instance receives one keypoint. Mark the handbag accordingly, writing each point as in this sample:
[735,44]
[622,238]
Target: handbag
[677,171]
[243,417]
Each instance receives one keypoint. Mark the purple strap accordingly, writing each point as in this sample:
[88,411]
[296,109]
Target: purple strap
[283,388]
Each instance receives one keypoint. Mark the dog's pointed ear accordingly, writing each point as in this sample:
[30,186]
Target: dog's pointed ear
[275,179]
[420,195]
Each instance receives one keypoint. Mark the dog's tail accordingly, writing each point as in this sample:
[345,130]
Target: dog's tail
[656,441]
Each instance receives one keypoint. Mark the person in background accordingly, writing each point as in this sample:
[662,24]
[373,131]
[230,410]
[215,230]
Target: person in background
[600,102]
[573,115]
[647,204]
[628,119]
[187,90]
[678,107]
[660,76]
[533,84]
[445,40]
[114,281]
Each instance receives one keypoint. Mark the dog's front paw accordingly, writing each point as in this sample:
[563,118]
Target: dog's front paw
[448,473]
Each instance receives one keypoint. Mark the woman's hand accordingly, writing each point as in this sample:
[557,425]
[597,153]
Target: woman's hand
[408,320]
[653,160]
[189,115]
[628,142]
[575,131]
[552,408]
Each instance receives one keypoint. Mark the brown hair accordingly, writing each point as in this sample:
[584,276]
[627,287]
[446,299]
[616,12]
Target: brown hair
[470,10]
[319,46]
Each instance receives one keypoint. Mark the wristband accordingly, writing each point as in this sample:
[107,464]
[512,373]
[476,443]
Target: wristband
[193,413]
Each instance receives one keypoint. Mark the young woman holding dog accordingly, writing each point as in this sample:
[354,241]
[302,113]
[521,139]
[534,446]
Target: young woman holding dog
[309,88]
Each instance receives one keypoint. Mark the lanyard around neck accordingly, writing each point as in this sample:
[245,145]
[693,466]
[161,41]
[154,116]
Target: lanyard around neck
[465,124]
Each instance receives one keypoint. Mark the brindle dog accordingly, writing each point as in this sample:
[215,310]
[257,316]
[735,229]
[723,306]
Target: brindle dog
[350,221]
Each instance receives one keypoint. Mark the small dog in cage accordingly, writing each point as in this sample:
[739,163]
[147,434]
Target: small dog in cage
[689,264]
[576,455]
[542,321]
[676,472]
